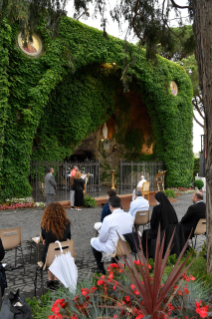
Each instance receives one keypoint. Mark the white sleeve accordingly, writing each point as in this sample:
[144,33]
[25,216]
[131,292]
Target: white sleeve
[104,232]
[130,210]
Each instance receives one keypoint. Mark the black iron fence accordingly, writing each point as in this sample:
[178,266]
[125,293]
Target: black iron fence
[61,171]
[130,174]
[203,143]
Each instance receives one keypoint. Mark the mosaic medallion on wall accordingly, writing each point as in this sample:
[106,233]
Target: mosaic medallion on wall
[33,48]
[174,88]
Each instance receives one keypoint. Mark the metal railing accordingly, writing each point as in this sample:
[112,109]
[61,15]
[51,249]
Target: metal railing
[38,171]
[130,174]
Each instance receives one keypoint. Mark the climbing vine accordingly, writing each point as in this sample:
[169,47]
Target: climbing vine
[5,33]
[53,102]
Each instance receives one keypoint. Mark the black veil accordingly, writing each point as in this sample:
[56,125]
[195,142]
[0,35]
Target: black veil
[168,213]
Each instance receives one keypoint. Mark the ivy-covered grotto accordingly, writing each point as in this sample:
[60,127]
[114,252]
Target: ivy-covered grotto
[62,97]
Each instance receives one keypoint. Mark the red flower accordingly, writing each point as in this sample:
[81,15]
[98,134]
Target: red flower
[202,312]
[115,317]
[100,282]
[180,293]
[139,317]
[186,291]
[132,287]
[127,298]
[198,303]
[110,275]
[84,291]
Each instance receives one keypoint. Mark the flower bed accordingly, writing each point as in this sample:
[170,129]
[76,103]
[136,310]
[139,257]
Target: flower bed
[183,190]
[20,203]
[150,290]
[115,302]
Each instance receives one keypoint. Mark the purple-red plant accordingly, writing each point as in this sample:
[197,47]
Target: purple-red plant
[148,292]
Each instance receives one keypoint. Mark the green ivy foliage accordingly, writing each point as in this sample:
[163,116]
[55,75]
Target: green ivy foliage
[51,103]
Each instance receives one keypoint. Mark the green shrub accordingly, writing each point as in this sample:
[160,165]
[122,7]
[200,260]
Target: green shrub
[170,193]
[196,167]
[198,183]
[89,201]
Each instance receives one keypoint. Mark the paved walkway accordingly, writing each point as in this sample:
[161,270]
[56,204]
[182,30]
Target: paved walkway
[82,231]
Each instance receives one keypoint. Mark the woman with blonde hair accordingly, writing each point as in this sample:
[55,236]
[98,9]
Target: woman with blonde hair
[55,225]
[78,187]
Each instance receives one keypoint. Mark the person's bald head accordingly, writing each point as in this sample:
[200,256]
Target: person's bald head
[197,196]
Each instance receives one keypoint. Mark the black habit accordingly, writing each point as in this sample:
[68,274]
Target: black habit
[49,237]
[163,214]
[78,188]
[190,219]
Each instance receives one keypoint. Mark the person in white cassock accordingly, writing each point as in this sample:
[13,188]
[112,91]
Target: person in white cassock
[139,185]
[118,222]
[139,204]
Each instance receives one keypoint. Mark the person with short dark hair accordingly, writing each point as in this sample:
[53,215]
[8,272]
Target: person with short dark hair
[50,186]
[118,222]
[106,209]
[194,213]
[139,204]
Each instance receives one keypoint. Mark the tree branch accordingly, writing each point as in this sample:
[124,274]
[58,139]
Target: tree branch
[180,7]
[198,121]
[197,108]
[134,18]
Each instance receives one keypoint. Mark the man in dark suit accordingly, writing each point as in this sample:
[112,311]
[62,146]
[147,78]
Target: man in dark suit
[51,186]
[194,213]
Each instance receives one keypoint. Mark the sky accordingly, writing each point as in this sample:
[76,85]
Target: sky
[114,30]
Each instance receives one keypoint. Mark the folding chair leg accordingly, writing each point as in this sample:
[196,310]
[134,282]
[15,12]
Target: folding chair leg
[15,255]
[42,281]
[30,258]
[38,252]
[36,281]
[23,259]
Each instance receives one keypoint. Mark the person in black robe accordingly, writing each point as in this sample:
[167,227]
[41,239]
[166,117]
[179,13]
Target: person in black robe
[163,214]
[78,187]
[194,213]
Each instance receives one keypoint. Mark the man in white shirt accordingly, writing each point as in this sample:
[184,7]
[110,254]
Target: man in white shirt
[118,222]
[139,185]
[139,204]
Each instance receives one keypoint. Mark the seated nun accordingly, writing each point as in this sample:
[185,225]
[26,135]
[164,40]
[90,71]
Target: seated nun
[164,215]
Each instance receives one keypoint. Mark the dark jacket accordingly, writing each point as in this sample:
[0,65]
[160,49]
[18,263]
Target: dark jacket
[79,184]
[51,238]
[8,311]
[105,212]
[190,219]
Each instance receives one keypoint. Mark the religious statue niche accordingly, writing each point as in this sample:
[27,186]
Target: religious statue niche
[174,88]
[32,48]
[105,131]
